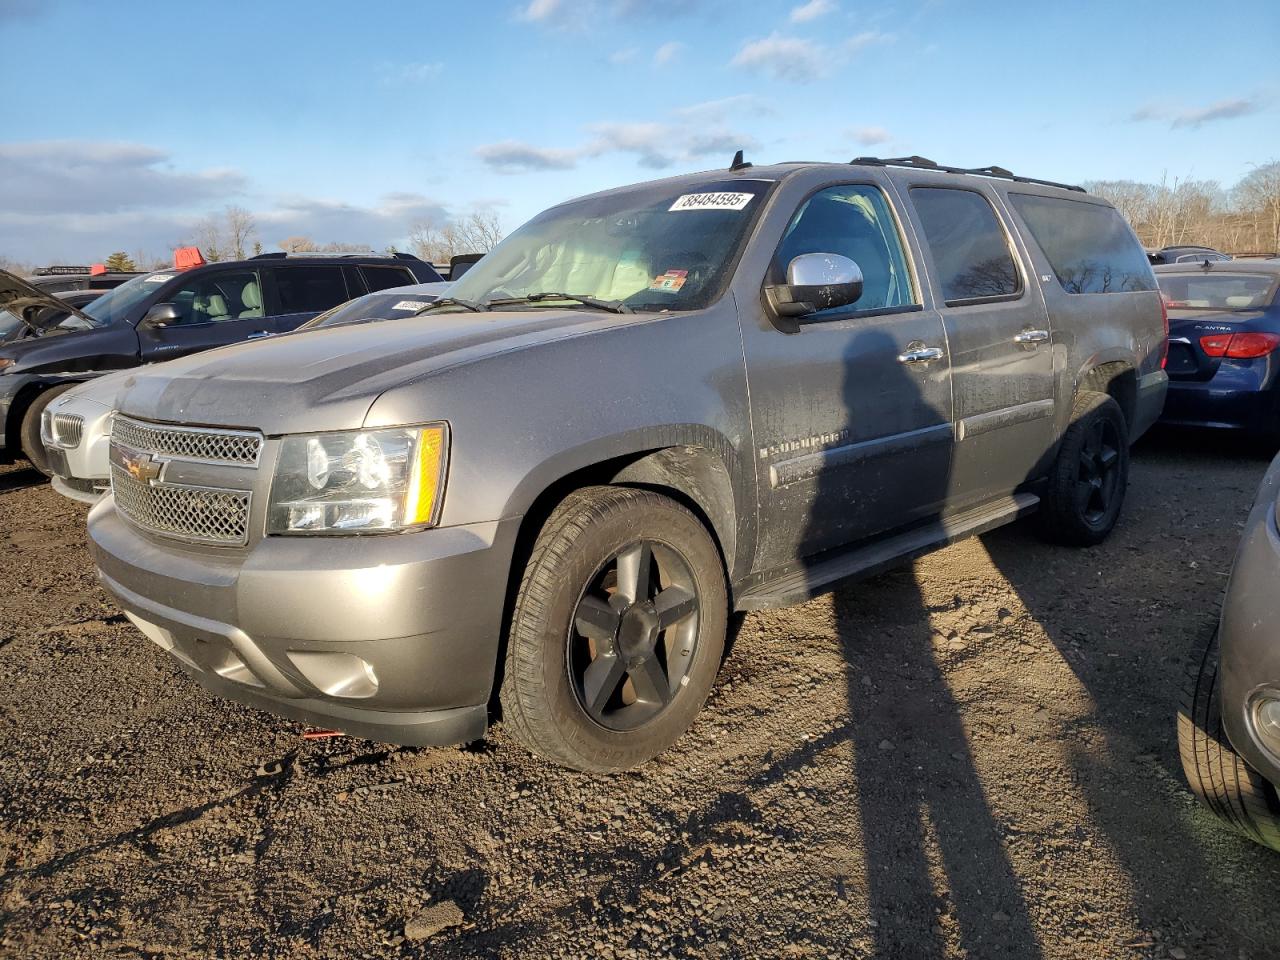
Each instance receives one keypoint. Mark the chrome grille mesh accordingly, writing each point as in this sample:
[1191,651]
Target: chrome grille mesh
[192,513]
[189,443]
[68,429]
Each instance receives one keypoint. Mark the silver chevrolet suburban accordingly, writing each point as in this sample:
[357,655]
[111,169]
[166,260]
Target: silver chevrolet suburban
[542,495]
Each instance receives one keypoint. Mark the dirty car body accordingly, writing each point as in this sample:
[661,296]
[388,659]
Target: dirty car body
[797,440]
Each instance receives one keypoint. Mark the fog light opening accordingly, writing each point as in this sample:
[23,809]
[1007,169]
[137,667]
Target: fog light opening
[1266,721]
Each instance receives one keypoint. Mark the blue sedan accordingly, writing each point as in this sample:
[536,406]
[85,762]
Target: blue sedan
[1224,333]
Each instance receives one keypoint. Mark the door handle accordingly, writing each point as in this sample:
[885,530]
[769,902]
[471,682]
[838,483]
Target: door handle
[920,355]
[258,335]
[1032,336]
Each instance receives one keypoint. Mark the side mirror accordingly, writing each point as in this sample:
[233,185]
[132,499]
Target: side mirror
[161,315]
[816,281]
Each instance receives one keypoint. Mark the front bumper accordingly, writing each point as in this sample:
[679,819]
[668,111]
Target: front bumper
[394,638]
[1249,662]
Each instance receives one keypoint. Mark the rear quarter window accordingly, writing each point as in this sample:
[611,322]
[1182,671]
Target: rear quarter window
[382,278]
[1088,245]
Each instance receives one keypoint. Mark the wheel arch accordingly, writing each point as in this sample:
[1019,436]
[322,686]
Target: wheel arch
[1116,376]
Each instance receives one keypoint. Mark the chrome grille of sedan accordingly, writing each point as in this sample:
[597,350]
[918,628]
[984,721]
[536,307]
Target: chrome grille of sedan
[68,429]
[188,443]
[192,513]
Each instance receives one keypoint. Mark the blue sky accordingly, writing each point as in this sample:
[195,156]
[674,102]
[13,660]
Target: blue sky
[349,122]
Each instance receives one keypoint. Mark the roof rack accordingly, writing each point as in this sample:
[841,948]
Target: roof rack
[302,254]
[924,163]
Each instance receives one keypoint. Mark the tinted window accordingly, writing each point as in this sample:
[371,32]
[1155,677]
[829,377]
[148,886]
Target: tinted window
[309,289]
[214,297]
[969,247]
[1216,291]
[1089,246]
[380,278]
[853,221]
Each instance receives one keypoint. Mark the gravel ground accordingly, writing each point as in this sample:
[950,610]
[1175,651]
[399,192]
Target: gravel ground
[970,757]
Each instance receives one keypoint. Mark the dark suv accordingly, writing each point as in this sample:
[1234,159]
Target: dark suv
[163,315]
[642,410]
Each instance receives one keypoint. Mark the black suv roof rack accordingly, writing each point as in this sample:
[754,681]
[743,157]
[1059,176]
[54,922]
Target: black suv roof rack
[363,254]
[924,163]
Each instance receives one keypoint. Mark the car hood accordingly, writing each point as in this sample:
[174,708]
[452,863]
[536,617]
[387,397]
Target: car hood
[327,378]
[26,304]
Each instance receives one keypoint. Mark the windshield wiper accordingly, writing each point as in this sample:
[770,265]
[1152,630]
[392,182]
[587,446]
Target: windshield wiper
[453,302]
[613,306]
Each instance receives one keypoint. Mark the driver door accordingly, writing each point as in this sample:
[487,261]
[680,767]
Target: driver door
[215,308]
[851,412]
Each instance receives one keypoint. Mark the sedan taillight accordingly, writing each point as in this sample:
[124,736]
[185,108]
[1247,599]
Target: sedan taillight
[1240,346]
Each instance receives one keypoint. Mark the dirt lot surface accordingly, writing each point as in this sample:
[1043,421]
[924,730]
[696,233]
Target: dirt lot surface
[971,757]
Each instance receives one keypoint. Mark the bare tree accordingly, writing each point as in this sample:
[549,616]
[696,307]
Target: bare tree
[209,238]
[240,226]
[478,232]
[1260,192]
[297,244]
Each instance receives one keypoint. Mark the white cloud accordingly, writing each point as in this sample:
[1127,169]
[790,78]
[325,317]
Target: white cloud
[654,145]
[1195,117]
[868,38]
[624,56]
[90,176]
[512,156]
[667,52]
[414,72]
[541,11]
[811,10]
[784,58]
[870,136]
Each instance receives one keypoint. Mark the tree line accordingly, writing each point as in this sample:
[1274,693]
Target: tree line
[1242,218]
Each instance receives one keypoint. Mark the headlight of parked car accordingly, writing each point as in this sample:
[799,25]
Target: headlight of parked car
[359,481]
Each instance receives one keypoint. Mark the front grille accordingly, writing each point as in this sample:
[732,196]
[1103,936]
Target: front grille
[189,443]
[192,513]
[68,430]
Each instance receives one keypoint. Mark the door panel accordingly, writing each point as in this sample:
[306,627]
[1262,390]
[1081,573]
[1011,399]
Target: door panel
[998,330]
[217,308]
[852,437]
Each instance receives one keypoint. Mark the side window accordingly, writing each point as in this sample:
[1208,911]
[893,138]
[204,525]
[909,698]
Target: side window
[854,221]
[215,297]
[1088,244]
[381,278]
[310,289]
[969,247]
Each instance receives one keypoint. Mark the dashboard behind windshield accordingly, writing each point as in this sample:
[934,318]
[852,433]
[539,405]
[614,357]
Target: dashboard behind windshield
[649,249]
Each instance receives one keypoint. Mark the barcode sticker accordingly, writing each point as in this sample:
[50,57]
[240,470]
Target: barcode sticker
[711,201]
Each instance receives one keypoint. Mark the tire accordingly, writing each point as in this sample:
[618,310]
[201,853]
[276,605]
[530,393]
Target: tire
[1087,483]
[564,693]
[1219,776]
[29,436]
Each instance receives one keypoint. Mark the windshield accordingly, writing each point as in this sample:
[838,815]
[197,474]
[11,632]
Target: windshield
[372,306]
[646,249]
[116,305]
[1216,291]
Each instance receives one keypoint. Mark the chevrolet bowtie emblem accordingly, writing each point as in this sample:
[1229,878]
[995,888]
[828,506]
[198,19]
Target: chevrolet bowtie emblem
[143,467]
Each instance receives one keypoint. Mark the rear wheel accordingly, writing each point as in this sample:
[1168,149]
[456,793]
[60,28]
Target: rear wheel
[32,444]
[618,630]
[1087,483]
[1218,775]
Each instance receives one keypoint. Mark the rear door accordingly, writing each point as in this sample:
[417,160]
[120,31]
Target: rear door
[297,292]
[216,307]
[1000,340]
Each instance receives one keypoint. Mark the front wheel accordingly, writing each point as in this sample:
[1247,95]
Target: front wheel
[32,443]
[1087,483]
[1233,790]
[618,630]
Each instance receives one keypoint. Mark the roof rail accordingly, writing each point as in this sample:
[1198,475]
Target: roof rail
[281,254]
[924,163]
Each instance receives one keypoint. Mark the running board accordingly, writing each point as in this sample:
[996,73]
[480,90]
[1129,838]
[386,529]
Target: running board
[824,575]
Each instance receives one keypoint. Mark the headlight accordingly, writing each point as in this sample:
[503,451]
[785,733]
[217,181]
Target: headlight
[359,481]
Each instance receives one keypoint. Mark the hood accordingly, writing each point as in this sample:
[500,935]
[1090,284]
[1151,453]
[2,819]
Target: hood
[327,378]
[25,309]
[100,390]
